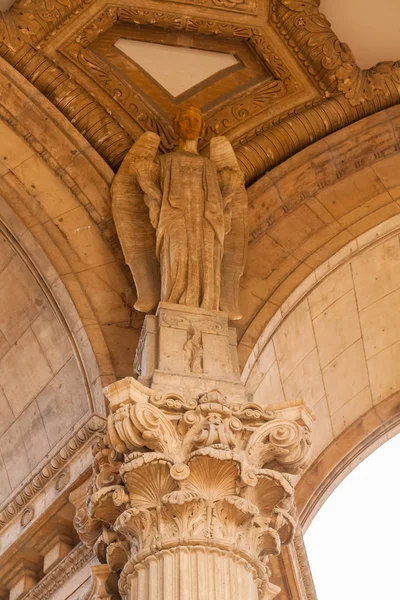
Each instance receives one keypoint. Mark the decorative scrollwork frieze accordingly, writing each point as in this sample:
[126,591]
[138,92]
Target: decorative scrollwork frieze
[222,118]
[348,92]
[33,22]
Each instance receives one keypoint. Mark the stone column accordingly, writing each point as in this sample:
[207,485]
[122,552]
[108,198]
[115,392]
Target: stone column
[192,490]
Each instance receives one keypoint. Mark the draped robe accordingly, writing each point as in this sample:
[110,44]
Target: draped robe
[191,219]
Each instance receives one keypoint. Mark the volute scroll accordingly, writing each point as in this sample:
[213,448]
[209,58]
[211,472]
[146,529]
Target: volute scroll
[212,480]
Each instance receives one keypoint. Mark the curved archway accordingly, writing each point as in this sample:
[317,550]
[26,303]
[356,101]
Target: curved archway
[50,383]
[353,550]
[58,186]
[334,344]
[312,207]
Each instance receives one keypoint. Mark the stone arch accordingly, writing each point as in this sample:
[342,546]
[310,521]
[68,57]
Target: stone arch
[335,342]
[58,186]
[313,206]
[371,483]
[50,383]
[345,453]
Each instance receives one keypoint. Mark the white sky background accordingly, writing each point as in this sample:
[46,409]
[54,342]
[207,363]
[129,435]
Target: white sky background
[353,543]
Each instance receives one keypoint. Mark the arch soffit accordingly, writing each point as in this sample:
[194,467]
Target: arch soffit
[58,187]
[339,450]
[316,85]
[344,454]
[311,207]
[58,297]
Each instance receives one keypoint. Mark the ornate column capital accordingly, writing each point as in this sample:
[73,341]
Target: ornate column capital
[201,482]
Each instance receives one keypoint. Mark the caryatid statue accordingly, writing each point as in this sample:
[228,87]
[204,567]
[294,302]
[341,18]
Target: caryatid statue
[182,219]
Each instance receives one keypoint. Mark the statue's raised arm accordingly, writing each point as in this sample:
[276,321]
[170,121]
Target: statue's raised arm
[182,220]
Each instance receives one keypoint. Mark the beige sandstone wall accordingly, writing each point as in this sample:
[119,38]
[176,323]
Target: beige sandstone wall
[51,411]
[42,391]
[58,186]
[315,203]
[336,344]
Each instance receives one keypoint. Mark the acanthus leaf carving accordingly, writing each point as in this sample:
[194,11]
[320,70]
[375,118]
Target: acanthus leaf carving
[198,477]
[328,60]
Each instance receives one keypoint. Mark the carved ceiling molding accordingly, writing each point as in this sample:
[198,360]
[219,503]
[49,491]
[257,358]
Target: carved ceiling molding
[345,92]
[28,22]
[94,427]
[329,61]
[247,6]
[91,119]
[227,114]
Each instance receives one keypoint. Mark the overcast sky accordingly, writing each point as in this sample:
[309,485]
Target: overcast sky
[353,543]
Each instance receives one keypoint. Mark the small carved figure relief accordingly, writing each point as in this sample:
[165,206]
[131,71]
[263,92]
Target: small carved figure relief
[182,219]
[194,350]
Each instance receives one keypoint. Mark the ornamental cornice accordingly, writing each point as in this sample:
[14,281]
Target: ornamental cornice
[94,427]
[28,22]
[225,116]
[329,61]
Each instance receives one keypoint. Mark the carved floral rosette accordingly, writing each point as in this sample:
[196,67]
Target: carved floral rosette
[205,479]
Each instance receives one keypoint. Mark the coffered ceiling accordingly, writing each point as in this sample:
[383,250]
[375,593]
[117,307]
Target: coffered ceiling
[269,74]
[178,68]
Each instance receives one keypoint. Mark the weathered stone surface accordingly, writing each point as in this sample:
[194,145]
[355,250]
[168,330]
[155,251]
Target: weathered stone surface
[21,300]
[189,350]
[191,213]
[342,330]
[196,485]
[26,356]
[309,208]
[63,401]
[42,393]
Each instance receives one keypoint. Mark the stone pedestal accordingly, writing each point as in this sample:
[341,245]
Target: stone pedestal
[192,492]
[190,351]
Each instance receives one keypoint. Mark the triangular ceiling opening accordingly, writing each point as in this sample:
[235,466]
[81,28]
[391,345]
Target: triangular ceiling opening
[175,68]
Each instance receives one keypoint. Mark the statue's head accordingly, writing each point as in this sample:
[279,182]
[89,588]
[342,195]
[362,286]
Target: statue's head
[189,123]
